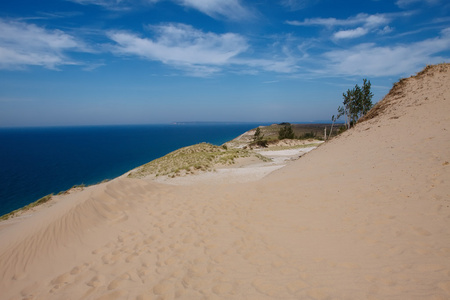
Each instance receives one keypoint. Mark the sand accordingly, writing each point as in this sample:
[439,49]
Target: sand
[364,216]
[246,169]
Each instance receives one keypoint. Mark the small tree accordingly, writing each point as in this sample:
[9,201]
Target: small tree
[258,138]
[286,132]
[367,95]
[357,102]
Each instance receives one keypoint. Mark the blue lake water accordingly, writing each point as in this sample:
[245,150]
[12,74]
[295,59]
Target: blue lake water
[35,162]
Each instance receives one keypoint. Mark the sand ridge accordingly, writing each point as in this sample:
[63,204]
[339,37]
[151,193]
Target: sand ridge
[364,216]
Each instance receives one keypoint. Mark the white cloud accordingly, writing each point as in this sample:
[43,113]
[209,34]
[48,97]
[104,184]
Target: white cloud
[365,22]
[182,46]
[350,34]
[230,9]
[371,60]
[328,22]
[373,21]
[386,29]
[109,4]
[360,19]
[198,53]
[23,44]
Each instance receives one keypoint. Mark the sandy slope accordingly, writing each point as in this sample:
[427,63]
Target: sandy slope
[364,216]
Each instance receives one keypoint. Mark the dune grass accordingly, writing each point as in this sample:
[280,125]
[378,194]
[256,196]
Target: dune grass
[44,200]
[187,160]
[27,207]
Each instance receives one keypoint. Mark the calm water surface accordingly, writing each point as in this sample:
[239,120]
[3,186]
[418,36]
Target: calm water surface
[35,162]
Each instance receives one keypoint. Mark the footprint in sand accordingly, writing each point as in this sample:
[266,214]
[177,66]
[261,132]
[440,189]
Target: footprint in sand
[187,281]
[171,261]
[199,270]
[96,281]
[27,293]
[62,279]
[296,286]
[177,274]
[67,278]
[118,281]
[78,269]
[143,273]
[149,239]
[131,257]
[175,246]
[163,288]
[110,258]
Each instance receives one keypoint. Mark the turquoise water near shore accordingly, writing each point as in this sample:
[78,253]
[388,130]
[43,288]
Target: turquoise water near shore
[35,162]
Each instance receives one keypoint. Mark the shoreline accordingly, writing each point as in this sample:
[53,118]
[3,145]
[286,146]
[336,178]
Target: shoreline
[222,174]
[38,162]
[62,168]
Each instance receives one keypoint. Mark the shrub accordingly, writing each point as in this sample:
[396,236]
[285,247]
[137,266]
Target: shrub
[286,132]
[258,139]
[308,135]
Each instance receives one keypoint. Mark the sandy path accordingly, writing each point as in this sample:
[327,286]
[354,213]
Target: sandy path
[364,216]
[244,170]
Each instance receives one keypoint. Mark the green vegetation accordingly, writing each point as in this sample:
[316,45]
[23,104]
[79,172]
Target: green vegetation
[77,186]
[28,207]
[286,132]
[44,200]
[357,102]
[258,139]
[200,157]
[308,135]
[270,134]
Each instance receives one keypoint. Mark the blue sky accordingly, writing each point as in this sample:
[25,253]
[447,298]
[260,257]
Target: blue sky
[95,62]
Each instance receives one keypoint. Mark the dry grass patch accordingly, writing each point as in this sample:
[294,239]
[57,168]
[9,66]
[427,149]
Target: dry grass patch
[28,207]
[189,160]
[398,91]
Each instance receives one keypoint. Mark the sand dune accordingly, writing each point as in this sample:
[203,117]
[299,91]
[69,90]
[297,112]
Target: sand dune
[364,216]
